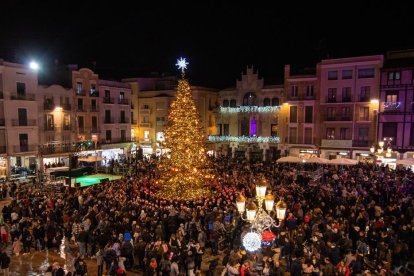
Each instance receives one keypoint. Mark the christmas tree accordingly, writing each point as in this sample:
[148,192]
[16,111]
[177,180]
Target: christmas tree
[184,174]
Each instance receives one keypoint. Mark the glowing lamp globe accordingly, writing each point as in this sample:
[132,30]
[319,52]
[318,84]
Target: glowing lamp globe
[281,209]
[251,210]
[380,150]
[381,144]
[240,203]
[252,241]
[261,188]
[269,202]
[372,149]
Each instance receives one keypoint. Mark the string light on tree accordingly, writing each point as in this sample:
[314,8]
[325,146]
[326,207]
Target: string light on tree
[185,174]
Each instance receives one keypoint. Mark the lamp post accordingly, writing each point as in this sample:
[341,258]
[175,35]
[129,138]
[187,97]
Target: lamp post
[95,141]
[259,218]
[384,148]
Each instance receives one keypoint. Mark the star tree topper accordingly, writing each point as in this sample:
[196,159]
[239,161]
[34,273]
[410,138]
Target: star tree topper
[182,64]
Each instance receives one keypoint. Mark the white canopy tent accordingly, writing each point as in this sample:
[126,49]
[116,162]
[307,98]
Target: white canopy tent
[317,160]
[289,159]
[343,161]
[91,159]
[407,162]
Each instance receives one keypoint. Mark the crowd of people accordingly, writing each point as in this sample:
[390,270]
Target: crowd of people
[350,220]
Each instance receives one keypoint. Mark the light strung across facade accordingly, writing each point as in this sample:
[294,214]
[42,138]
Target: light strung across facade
[249,109]
[259,218]
[244,139]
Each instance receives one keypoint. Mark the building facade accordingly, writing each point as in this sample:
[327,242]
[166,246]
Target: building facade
[395,123]
[349,92]
[300,116]
[248,118]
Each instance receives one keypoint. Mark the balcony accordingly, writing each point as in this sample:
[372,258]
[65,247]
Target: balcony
[133,122]
[109,121]
[48,106]
[1,95]
[124,121]
[80,108]
[331,99]
[145,111]
[346,99]
[94,108]
[108,100]
[360,143]
[123,101]
[22,97]
[67,127]
[392,106]
[364,99]
[81,129]
[336,143]
[81,92]
[2,122]
[116,140]
[23,123]
[2,149]
[67,107]
[145,124]
[95,129]
[24,148]
[58,148]
[49,128]
[93,93]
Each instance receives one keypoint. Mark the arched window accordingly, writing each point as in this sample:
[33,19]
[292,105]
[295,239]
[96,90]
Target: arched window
[249,99]
[275,102]
[226,103]
[233,103]
[266,102]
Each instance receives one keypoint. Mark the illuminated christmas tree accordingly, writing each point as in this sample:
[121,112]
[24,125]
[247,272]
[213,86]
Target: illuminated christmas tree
[184,174]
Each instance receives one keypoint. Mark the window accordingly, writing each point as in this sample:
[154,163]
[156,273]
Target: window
[123,135]
[363,134]
[22,112]
[309,91]
[21,88]
[389,130]
[308,135]
[160,105]
[344,133]
[145,119]
[331,95]
[94,122]
[249,99]
[308,114]
[293,114]
[66,122]
[121,95]
[49,120]
[346,113]
[364,113]
[412,134]
[108,135]
[226,103]
[93,91]
[293,135]
[107,116]
[160,121]
[346,74]
[145,106]
[273,130]
[122,115]
[365,93]
[391,97]
[107,94]
[275,102]
[394,75]
[331,113]
[79,87]
[346,94]
[294,91]
[233,103]
[81,124]
[80,104]
[330,133]
[332,75]
[366,73]
[266,102]
[24,141]
[226,130]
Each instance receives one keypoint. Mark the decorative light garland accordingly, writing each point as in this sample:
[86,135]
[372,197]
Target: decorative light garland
[249,109]
[252,241]
[392,105]
[244,139]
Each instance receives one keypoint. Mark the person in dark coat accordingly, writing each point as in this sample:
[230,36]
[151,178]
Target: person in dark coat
[296,267]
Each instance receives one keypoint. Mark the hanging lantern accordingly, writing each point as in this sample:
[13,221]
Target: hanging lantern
[251,211]
[281,209]
[261,188]
[269,201]
[240,203]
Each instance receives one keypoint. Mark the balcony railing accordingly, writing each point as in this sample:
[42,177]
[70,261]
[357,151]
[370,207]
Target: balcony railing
[94,108]
[364,98]
[49,128]
[124,121]
[93,93]
[52,149]
[67,107]
[392,106]
[145,111]
[24,148]
[132,106]
[2,149]
[116,140]
[81,92]
[23,123]
[123,101]
[360,143]
[67,127]
[346,99]
[23,97]
[95,130]
[80,108]
[109,121]
[48,106]
[108,100]
[145,124]
[133,122]
[338,118]
[1,95]
[331,99]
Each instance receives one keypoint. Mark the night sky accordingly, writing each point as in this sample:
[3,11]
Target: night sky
[135,38]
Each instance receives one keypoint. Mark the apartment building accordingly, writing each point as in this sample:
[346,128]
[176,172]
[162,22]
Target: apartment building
[300,116]
[19,126]
[248,118]
[349,92]
[395,122]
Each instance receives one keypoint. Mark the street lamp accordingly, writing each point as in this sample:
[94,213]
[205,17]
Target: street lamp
[384,146]
[258,217]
